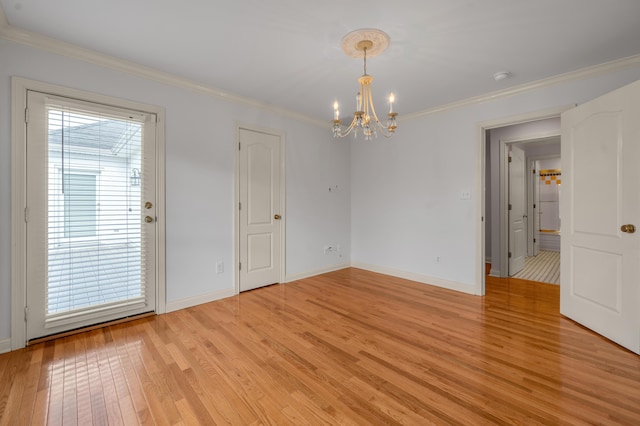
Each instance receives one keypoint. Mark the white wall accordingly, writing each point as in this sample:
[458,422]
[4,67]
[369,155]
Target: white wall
[200,148]
[406,206]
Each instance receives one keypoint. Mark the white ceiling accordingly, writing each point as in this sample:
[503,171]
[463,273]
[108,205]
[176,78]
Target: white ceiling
[287,52]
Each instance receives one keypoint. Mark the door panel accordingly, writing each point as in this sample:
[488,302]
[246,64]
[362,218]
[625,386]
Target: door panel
[536,209]
[600,263]
[260,225]
[517,223]
[90,257]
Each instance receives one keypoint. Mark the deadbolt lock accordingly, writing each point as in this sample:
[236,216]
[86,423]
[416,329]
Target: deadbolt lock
[276,216]
[148,205]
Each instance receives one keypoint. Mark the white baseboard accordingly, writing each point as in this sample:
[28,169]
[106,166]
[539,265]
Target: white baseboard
[494,272]
[307,274]
[424,279]
[198,300]
[5,345]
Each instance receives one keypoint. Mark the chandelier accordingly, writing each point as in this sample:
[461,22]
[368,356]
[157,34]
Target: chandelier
[360,44]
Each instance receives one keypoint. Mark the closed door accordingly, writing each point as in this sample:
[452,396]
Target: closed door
[90,214]
[536,208]
[517,224]
[261,215]
[600,207]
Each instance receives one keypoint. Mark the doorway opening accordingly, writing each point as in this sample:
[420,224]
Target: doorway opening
[538,137]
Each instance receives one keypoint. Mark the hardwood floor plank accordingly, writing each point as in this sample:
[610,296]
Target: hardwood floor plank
[349,347]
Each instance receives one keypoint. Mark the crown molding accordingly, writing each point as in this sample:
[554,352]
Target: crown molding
[55,46]
[592,71]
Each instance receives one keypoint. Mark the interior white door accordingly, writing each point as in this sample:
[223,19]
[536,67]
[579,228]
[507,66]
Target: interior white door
[600,266]
[260,174]
[536,207]
[90,255]
[517,208]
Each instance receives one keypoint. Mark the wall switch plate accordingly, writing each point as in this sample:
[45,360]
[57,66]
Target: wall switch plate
[465,195]
[220,267]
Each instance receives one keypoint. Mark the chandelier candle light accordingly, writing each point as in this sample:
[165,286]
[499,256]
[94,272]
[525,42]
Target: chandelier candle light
[360,44]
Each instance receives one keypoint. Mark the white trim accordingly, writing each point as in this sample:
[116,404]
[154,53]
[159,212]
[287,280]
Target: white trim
[18,194]
[504,192]
[5,346]
[236,201]
[199,300]
[313,273]
[39,41]
[161,225]
[481,144]
[424,279]
[18,203]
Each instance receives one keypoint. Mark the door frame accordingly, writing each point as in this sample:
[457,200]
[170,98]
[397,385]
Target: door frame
[19,87]
[236,201]
[504,191]
[481,166]
[530,185]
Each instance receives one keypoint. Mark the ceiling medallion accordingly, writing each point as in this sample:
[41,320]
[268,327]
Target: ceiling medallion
[363,43]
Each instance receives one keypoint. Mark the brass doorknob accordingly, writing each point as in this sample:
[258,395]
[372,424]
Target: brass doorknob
[276,216]
[629,228]
[148,219]
[148,205]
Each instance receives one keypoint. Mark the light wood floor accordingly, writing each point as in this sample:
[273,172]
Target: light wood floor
[348,347]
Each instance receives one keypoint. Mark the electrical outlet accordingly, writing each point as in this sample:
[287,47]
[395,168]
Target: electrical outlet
[220,267]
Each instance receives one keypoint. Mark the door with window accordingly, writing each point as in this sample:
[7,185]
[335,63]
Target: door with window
[91,234]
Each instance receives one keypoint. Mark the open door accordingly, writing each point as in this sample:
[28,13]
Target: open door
[517,215]
[600,209]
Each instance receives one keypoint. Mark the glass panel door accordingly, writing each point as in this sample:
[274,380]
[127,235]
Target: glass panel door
[94,256]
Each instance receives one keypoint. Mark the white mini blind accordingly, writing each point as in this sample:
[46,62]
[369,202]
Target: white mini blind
[96,247]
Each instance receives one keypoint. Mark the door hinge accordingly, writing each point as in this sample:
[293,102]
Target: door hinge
[239,206]
[26,313]
[534,171]
[509,255]
[510,206]
[239,146]
[534,240]
[26,214]
[534,205]
[509,159]
[240,266]
[26,115]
